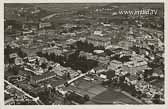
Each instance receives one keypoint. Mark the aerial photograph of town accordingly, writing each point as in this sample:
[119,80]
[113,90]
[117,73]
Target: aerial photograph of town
[84,54]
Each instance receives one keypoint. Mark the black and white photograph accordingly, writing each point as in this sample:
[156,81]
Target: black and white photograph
[84,53]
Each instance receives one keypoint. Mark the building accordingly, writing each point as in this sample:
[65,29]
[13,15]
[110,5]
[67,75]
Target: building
[43,77]
[61,71]
[98,40]
[115,65]
[69,26]
[44,25]
[134,66]
[46,32]
[69,34]
[153,42]
[103,60]
[28,26]
[54,50]
[125,44]
[19,61]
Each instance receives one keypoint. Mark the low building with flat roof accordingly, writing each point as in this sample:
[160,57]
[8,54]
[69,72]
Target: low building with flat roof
[43,77]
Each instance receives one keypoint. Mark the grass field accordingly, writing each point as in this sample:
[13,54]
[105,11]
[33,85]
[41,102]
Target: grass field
[109,96]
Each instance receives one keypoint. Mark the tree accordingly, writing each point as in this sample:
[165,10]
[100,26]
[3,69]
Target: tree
[44,65]
[21,53]
[39,53]
[50,68]
[15,70]
[44,97]
[86,97]
[156,99]
[52,56]
[110,74]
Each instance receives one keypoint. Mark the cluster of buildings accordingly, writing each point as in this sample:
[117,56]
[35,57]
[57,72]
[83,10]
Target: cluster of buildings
[99,39]
[119,50]
[16,97]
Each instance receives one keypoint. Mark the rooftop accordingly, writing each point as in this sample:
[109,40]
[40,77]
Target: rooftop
[116,62]
[43,76]
[99,38]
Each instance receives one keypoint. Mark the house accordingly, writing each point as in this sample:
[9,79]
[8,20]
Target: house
[115,65]
[44,25]
[18,61]
[103,60]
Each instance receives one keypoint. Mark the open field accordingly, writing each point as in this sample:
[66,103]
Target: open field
[109,96]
